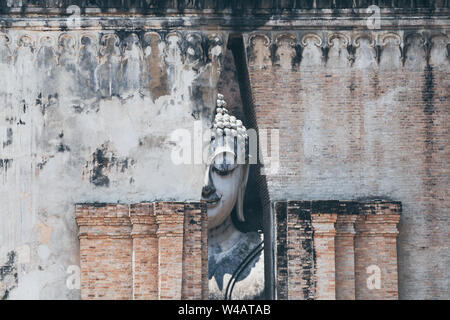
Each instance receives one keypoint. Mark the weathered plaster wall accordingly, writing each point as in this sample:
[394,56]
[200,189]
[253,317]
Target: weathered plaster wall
[87,116]
[364,115]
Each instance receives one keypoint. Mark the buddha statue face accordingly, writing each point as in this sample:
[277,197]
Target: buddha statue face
[227,172]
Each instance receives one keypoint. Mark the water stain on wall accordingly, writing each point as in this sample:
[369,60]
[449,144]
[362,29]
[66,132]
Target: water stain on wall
[9,137]
[156,78]
[103,162]
[8,276]
[5,164]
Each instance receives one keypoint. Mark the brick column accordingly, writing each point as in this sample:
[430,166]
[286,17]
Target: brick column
[294,256]
[105,251]
[195,257]
[205,278]
[345,251]
[281,251]
[300,251]
[170,221]
[323,220]
[145,251]
[376,250]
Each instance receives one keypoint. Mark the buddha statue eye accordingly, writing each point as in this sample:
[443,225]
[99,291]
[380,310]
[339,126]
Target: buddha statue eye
[223,169]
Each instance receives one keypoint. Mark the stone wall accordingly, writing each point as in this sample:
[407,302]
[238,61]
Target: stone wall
[143,251]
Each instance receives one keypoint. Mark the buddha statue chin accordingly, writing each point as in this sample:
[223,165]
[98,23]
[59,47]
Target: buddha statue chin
[225,183]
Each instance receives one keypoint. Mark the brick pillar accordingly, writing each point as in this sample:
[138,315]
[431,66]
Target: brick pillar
[324,233]
[281,251]
[105,251]
[170,221]
[376,250]
[300,251]
[205,278]
[345,251]
[294,256]
[195,257]
[145,251]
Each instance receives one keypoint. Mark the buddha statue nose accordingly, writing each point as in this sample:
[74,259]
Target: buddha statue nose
[208,190]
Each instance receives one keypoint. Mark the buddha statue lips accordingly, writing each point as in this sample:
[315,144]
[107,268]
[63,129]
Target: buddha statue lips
[227,172]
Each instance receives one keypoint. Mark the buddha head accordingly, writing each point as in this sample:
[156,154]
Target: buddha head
[227,172]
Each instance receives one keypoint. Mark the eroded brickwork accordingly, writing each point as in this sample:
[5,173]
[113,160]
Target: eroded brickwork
[362,115]
[294,255]
[376,251]
[143,251]
[195,271]
[324,247]
[317,256]
[105,252]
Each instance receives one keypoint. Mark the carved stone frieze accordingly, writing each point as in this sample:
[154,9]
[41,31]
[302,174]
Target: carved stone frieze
[358,49]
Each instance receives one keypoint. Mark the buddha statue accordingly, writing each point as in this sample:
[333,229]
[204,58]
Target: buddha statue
[224,189]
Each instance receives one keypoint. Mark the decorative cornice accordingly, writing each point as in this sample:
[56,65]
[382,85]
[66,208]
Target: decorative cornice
[189,6]
[147,219]
[315,46]
[345,225]
[377,225]
[38,18]
[324,224]
[380,207]
[348,207]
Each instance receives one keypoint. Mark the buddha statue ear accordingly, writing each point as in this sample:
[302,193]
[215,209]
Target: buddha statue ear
[241,193]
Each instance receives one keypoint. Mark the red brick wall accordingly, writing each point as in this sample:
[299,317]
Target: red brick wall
[362,116]
[105,252]
[317,257]
[345,257]
[143,251]
[195,270]
[324,247]
[170,219]
[293,252]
